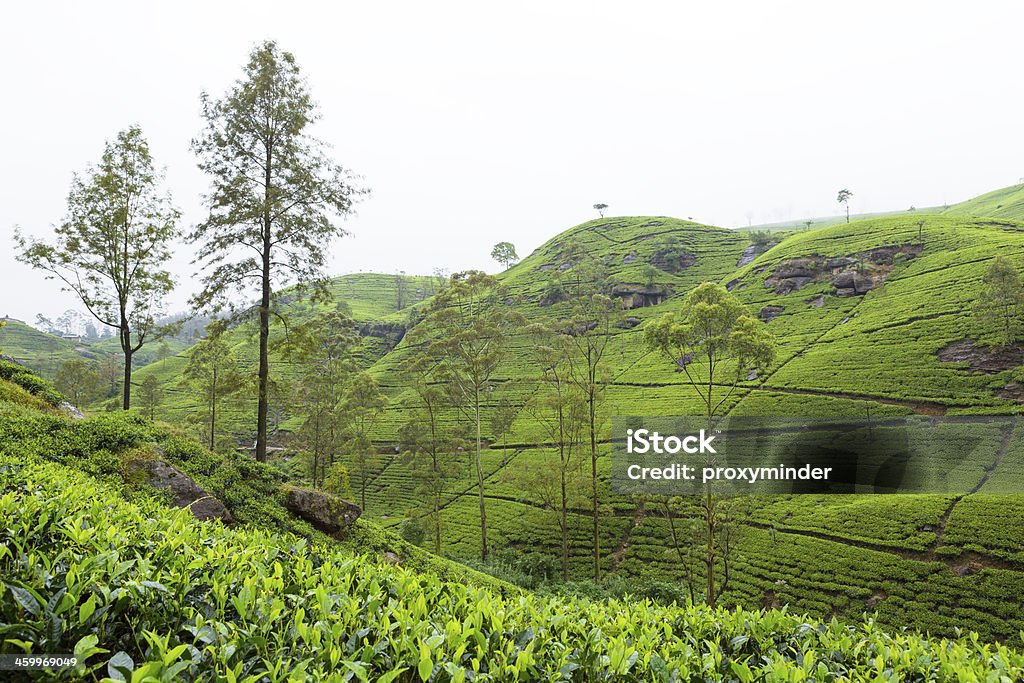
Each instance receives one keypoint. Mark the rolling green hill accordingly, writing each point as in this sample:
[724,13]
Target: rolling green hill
[1006,203]
[872,352]
[43,352]
[871,319]
[828,221]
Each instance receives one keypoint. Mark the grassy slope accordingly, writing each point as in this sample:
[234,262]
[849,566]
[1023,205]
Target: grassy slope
[45,352]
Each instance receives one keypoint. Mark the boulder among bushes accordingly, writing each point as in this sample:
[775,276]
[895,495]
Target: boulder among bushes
[185,493]
[325,512]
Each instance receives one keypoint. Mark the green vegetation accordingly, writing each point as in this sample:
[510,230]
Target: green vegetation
[869,318]
[111,247]
[1004,204]
[288,216]
[139,592]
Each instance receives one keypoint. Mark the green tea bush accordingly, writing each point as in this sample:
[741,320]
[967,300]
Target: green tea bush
[140,592]
[28,380]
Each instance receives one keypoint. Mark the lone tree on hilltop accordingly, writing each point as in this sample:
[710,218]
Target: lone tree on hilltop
[112,245]
[1000,304]
[600,209]
[275,198]
[714,341]
[844,198]
[505,254]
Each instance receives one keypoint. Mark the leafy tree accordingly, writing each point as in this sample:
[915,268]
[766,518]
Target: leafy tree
[1000,304]
[650,274]
[274,201]
[163,352]
[336,481]
[111,371]
[714,341]
[213,371]
[361,406]
[505,254]
[844,198]
[430,443]
[323,348]
[401,290]
[502,418]
[588,328]
[600,209]
[111,247]
[78,380]
[151,395]
[465,331]
[561,410]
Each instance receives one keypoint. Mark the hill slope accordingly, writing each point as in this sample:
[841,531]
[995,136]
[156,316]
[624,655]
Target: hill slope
[870,318]
[1006,203]
[876,350]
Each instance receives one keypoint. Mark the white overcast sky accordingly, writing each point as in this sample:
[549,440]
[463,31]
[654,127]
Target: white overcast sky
[477,122]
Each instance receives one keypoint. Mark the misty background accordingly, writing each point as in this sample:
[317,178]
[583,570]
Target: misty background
[475,123]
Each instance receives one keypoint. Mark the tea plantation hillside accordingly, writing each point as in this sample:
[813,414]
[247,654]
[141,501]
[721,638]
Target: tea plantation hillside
[135,590]
[42,351]
[867,316]
[380,304]
[872,318]
[1006,203]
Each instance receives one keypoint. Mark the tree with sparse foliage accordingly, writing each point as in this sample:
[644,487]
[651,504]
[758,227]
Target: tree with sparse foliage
[324,349]
[505,254]
[213,371]
[430,442]
[78,380]
[275,201]
[111,371]
[465,331]
[600,209]
[401,290]
[111,247]
[714,341]
[561,409]
[503,416]
[999,309]
[585,337]
[361,406]
[151,395]
[844,198]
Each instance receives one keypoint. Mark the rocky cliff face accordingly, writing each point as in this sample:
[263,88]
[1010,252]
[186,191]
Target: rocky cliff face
[852,275]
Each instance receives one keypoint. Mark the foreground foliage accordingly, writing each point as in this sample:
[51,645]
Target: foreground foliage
[141,592]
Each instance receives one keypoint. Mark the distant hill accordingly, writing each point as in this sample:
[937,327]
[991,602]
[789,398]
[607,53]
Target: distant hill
[828,221]
[1006,203]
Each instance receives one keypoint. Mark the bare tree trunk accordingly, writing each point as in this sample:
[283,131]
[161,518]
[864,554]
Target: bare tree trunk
[480,479]
[264,371]
[593,481]
[127,394]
